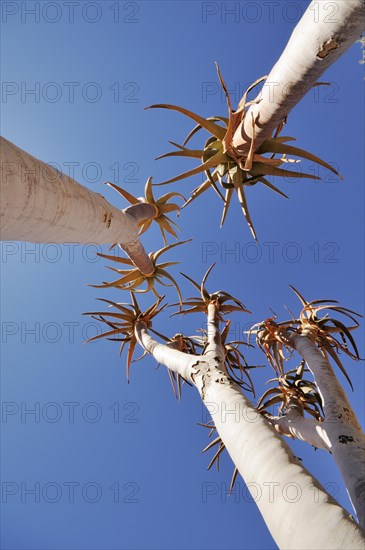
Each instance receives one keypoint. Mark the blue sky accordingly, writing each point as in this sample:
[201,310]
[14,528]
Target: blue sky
[118,466]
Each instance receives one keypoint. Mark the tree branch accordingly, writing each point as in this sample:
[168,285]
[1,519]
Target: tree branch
[347,441]
[177,361]
[139,256]
[269,468]
[319,39]
[295,425]
[214,346]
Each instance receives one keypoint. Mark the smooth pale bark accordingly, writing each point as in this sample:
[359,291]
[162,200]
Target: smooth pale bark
[295,507]
[326,30]
[297,426]
[40,204]
[214,347]
[347,440]
[175,360]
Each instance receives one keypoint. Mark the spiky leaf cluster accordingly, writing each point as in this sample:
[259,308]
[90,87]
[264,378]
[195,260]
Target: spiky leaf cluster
[121,320]
[224,164]
[331,335]
[161,205]
[291,386]
[272,340]
[184,344]
[132,278]
[236,364]
[224,302]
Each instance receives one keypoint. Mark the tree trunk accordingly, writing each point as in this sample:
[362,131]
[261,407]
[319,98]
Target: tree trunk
[295,507]
[346,439]
[324,33]
[41,205]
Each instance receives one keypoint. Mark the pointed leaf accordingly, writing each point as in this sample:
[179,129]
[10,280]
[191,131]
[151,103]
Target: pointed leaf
[266,170]
[270,146]
[210,163]
[208,125]
[130,198]
[272,187]
[148,192]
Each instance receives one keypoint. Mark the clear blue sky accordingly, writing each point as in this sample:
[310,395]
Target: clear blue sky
[118,466]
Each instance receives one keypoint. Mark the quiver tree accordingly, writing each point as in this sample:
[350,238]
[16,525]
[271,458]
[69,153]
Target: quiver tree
[316,337]
[243,149]
[254,436]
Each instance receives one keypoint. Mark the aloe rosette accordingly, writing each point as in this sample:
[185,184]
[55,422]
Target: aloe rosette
[225,166]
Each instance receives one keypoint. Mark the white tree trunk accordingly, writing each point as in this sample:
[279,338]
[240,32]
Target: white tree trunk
[326,30]
[40,204]
[295,507]
[347,441]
